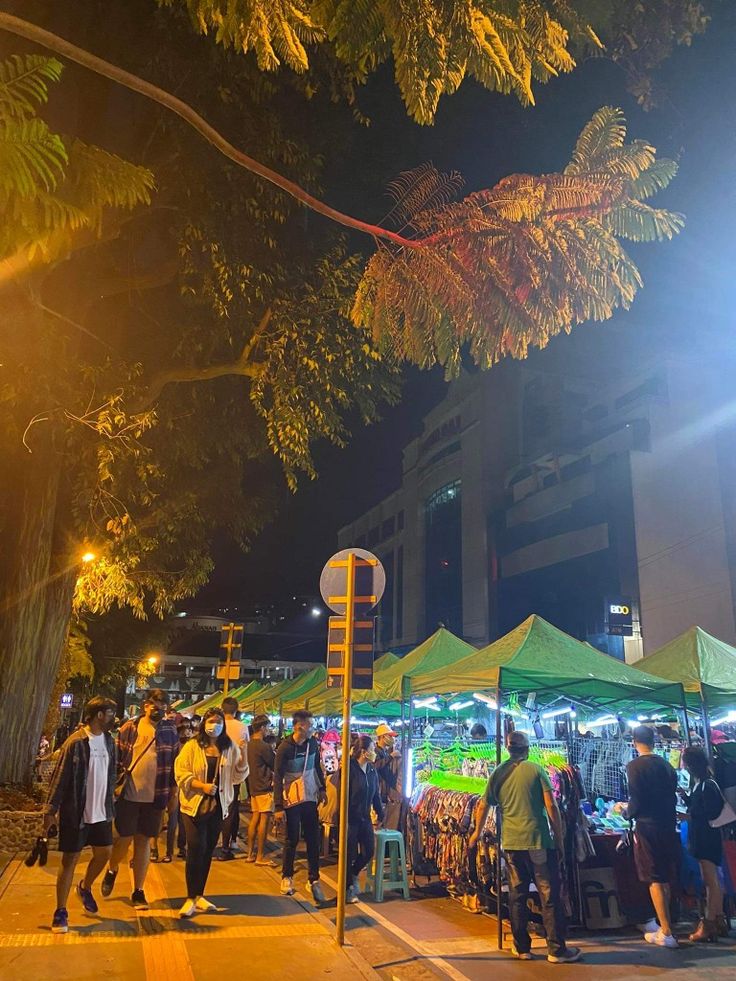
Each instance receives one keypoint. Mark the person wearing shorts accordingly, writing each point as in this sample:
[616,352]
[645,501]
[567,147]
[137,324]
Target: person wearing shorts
[81,791]
[261,758]
[147,748]
[652,807]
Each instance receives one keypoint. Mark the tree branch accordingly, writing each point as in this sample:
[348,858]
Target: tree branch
[36,34]
[241,366]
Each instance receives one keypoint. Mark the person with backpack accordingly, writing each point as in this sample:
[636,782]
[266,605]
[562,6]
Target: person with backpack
[705,843]
[522,792]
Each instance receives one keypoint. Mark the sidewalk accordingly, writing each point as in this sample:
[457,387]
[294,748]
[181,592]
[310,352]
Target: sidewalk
[267,936]
[255,931]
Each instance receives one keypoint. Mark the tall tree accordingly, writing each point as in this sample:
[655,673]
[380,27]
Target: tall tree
[156,357]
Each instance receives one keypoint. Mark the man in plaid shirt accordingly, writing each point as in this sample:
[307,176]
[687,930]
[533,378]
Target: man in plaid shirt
[147,747]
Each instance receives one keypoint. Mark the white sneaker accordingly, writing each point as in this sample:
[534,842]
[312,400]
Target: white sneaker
[204,905]
[287,886]
[651,926]
[523,955]
[352,894]
[188,909]
[315,888]
[661,939]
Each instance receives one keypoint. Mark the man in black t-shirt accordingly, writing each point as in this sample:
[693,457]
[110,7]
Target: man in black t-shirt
[261,757]
[652,797]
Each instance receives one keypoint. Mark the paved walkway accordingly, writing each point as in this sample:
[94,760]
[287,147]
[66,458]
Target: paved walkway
[258,933]
[255,932]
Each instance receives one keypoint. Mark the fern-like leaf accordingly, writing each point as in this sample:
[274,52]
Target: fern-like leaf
[24,82]
[509,267]
[32,158]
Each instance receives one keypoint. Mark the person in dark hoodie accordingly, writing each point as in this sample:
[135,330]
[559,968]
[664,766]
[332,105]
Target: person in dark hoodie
[363,795]
[81,791]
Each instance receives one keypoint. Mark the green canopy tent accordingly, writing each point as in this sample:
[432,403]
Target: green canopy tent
[258,701]
[538,657]
[212,701]
[246,694]
[705,665]
[322,700]
[438,652]
[295,697]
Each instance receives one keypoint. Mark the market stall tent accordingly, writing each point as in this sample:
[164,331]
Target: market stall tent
[705,665]
[440,652]
[328,701]
[212,701]
[295,697]
[246,694]
[538,657]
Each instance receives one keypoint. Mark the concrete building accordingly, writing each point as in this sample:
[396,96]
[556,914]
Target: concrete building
[600,499]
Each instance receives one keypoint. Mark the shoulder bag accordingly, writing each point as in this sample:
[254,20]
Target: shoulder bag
[209,803]
[727,815]
[296,792]
[122,780]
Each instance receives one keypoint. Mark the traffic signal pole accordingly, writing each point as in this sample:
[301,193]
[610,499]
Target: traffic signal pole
[347,708]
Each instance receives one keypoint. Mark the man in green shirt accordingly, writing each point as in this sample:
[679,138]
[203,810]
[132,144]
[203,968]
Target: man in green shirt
[523,795]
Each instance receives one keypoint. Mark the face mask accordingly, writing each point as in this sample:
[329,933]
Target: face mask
[214,728]
[157,715]
[370,755]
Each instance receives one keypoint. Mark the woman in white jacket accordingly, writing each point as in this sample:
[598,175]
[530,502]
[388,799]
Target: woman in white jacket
[206,770]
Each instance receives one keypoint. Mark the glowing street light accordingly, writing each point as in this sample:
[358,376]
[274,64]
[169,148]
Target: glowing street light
[316,612]
[153,659]
[88,557]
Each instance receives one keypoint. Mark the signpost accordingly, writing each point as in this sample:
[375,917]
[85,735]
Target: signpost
[231,647]
[351,583]
[67,700]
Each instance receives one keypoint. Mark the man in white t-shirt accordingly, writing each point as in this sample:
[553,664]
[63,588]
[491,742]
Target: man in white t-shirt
[81,791]
[238,732]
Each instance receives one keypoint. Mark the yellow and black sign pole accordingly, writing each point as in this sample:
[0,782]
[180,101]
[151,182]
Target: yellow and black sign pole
[342,646]
[347,710]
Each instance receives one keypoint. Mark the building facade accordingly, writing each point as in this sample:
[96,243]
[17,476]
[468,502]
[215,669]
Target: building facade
[602,501]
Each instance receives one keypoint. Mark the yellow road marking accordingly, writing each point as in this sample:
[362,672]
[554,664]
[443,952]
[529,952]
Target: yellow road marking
[192,932]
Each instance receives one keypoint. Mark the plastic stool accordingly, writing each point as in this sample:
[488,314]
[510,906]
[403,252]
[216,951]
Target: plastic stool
[389,845]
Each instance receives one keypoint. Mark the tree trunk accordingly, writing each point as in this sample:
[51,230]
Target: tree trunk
[38,576]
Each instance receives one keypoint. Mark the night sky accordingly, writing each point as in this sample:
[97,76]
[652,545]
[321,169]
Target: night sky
[687,301]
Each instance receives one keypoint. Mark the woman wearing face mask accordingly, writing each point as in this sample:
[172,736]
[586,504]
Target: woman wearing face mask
[363,793]
[206,770]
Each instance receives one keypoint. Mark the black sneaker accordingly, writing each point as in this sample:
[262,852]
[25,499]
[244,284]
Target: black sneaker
[108,882]
[225,855]
[568,956]
[138,899]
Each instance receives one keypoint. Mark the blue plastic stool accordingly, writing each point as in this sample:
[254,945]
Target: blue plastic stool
[389,847]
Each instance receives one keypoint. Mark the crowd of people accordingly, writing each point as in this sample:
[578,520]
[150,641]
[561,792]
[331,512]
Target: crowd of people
[113,794]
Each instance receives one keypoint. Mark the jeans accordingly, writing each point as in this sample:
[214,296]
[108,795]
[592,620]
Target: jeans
[202,833]
[542,867]
[360,845]
[302,816]
[231,824]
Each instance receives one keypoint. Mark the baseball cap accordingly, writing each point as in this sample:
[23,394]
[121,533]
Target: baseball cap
[385,730]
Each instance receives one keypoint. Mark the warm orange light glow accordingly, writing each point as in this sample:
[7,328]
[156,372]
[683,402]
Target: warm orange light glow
[153,659]
[88,557]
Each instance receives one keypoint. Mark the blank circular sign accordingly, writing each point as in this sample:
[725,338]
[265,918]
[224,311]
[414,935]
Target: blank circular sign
[370,580]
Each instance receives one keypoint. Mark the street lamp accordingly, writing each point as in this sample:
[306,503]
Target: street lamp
[316,612]
[153,659]
[88,557]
